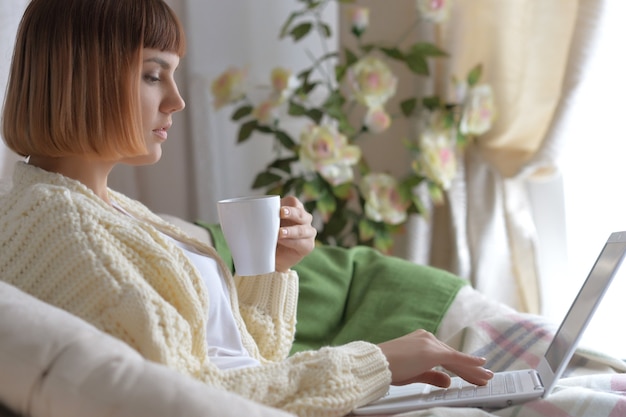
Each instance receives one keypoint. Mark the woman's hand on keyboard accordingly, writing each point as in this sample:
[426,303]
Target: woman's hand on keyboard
[412,358]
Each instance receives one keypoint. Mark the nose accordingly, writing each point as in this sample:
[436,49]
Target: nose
[174,102]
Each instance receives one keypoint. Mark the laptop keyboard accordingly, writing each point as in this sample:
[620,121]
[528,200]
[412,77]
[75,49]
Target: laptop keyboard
[499,384]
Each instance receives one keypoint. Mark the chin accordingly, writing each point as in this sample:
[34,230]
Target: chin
[148,159]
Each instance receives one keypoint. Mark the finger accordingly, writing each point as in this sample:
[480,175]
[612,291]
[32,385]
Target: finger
[297,237]
[291,201]
[295,215]
[476,375]
[432,377]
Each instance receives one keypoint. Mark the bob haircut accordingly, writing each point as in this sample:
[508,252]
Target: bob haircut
[74,80]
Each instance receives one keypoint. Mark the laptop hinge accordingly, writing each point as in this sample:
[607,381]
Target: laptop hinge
[534,375]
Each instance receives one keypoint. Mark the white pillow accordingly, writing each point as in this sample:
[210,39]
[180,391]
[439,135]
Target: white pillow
[53,364]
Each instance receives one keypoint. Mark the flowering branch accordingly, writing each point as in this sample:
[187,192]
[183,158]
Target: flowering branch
[324,166]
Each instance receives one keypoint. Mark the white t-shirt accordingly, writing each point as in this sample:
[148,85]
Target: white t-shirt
[225,348]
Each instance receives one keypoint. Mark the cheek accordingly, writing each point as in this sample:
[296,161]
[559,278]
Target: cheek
[148,105]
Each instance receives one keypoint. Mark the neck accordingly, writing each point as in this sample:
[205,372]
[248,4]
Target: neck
[91,172]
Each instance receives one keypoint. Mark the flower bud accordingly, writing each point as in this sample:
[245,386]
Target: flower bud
[435,11]
[228,87]
[360,19]
[377,120]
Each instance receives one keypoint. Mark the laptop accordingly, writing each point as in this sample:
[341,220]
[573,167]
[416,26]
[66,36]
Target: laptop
[514,387]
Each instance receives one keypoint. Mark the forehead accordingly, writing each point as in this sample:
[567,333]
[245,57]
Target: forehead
[166,60]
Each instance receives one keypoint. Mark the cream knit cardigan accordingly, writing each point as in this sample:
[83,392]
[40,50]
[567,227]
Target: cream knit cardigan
[64,245]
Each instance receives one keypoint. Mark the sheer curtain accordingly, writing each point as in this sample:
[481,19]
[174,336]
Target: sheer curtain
[529,50]
[591,182]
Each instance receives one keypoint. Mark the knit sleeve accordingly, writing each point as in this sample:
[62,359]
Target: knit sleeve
[267,304]
[330,381]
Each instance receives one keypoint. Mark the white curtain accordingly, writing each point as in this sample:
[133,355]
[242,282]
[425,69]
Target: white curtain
[591,181]
[532,52]
[10,14]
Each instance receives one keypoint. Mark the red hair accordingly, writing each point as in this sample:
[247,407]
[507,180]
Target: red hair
[74,80]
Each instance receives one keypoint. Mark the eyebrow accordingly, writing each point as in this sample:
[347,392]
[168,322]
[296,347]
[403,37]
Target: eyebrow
[163,63]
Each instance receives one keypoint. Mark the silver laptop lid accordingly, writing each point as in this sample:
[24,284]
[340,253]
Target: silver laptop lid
[573,325]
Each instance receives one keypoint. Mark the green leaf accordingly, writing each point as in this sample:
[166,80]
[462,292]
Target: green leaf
[461,139]
[427,49]
[408,106]
[278,189]
[296,109]
[310,191]
[300,31]
[241,112]
[383,241]
[264,128]
[326,205]
[366,230]
[474,75]
[305,74]
[264,179]
[335,225]
[368,48]
[419,207]
[431,103]
[284,164]
[342,191]
[285,139]
[407,184]
[334,103]
[340,72]
[436,193]
[345,126]
[417,63]
[246,129]
[394,53]
[316,115]
[306,88]
[285,28]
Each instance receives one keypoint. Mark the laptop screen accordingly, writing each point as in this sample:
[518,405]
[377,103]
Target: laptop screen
[566,338]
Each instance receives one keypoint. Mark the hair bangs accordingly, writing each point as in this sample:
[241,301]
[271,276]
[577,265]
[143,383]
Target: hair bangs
[163,30]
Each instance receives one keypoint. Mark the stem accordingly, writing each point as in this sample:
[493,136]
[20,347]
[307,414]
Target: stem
[407,32]
[318,21]
[364,168]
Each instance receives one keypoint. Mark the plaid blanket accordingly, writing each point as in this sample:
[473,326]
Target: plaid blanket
[594,384]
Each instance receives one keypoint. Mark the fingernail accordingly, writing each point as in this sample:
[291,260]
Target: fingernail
[283,231]
[285,211]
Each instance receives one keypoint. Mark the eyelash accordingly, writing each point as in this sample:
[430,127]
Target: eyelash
[151,79]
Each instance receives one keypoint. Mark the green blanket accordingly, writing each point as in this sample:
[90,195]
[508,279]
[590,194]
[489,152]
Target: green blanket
[361,294]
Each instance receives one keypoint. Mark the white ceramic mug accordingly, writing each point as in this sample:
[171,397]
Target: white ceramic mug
[250,226]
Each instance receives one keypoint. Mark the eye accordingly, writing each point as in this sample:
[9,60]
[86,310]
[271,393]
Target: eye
[152,79]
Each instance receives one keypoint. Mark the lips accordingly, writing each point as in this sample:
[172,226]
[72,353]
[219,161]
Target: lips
[162,131]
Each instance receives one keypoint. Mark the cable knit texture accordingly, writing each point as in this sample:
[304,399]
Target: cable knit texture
[64,245]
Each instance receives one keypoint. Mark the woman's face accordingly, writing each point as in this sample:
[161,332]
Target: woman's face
[159,100]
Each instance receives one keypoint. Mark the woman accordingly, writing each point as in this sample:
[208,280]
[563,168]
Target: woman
[91,86]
